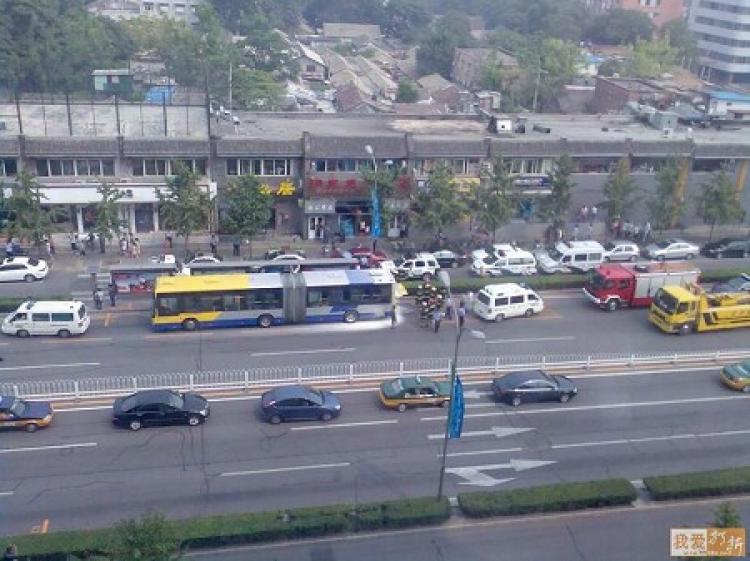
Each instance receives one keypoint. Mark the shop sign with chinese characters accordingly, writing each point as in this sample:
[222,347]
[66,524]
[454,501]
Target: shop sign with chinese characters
[283,189]
[707,542]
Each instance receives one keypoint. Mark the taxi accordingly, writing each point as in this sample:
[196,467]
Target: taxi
[17,413]
[414,391]
[737,376]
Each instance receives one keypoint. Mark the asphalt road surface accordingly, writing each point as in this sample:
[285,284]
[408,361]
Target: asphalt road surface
[82,472]
[611,535]
[121,343]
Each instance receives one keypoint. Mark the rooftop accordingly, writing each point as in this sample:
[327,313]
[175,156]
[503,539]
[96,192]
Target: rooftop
[730,96]
[351,30]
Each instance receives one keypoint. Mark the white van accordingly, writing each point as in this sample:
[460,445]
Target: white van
[567,257]
[496,302]
[421,266]
[47,318]
[507,260]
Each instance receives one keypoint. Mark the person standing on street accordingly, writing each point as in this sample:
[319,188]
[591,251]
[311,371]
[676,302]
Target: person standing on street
[449,308]
[461,312]
[437,317]
[112,290]
[236,247]
[214,244]
[9,249]
[393,315]
[98,298]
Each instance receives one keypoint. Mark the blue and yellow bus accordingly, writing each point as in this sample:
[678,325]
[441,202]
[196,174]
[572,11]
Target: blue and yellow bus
[266,299]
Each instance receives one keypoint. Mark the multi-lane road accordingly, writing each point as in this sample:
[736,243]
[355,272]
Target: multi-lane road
[82,472]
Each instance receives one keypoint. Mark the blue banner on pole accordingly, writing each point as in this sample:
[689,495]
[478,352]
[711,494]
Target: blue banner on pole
[375,229]
[456,422]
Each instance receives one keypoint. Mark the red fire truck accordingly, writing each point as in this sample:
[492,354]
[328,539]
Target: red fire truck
[612,286]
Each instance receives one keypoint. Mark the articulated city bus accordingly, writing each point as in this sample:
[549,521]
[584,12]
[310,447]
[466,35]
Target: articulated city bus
[266,299]
[266,266]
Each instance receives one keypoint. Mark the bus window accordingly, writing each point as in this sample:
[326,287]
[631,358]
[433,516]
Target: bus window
[266,299]
[167,305]
[234,302]
[203,303]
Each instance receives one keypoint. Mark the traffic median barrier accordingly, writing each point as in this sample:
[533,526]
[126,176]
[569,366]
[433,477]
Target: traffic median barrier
[713,483]
[247,528]
[548,498]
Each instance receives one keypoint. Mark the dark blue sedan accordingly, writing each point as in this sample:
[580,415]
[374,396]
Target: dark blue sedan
[298,403]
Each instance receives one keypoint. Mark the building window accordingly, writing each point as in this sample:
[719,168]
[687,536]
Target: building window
[82,167]
[164,9]
[311,68]
[712,164]
[148,6]
[269,167]
[8,167]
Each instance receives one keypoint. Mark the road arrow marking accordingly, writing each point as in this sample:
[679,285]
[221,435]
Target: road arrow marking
[497,432]
[474,476]
[474,394]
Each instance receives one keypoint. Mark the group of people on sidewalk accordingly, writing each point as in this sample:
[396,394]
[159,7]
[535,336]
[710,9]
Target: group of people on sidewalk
[98,295]
[130,246]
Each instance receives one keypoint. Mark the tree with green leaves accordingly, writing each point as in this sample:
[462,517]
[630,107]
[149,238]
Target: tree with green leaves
[151,538]
[256,90]
[28,219]
[555,207]
[407,92]
[620,192]
[384,180]
[438,205]
[185,207]
[717,202]
[620,27]
[108,224]
[248,207]
[553,62]
[679,37]
[435,51]
[651,59]
[493,201]
[667,206]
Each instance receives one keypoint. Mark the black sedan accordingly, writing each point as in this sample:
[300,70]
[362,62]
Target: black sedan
[159,407]
[727,247]
[532,385]
[448,259]
[298,403]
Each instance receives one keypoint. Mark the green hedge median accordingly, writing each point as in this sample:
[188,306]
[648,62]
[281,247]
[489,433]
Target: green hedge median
[699,484]
[556,281]
[548,498]
[234,529]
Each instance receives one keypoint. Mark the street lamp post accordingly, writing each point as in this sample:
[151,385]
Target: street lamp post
[446,280]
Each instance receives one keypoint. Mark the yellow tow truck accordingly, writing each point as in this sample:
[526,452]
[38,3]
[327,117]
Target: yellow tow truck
[677,309]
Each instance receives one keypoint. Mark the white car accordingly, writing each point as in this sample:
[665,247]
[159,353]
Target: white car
[288,257]
[621,251]
[422,266]
[672,248]
[204,259]
[26,269]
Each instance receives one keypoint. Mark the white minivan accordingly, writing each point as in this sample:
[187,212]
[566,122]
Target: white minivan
[567,257]
[496,302]
[61,318]
[511,260]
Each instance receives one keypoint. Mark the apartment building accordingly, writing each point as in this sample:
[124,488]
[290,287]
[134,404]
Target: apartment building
[723,32]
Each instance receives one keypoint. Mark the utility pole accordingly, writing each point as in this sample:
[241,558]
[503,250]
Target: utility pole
[230,87]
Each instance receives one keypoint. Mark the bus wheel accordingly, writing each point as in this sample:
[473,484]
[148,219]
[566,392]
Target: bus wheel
[190,325]
[265,321]
[613,305]
[351,316]
[686,329]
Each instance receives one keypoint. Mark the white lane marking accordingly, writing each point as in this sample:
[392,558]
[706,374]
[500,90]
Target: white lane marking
[506,412]
[310,352]
[497,432]
[473,475]
[641,372]
[51,447]
[475,394]
[343,425]
[75,340]
[531,340]
[6,493]
[686,436]
[177,334]
[481,452]
[283,469]
[43,366]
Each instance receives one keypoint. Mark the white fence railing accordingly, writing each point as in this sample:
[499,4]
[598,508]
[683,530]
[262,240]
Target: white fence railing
[345,373]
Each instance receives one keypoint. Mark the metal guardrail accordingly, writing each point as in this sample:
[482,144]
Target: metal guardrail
[245,380]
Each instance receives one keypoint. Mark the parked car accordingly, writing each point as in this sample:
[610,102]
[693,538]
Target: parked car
[737,284]
[288,257]
[525,386]
[18,413]
[298,403]
[621,251]
[448,259]
[401,393]
[737,376]
[159,407]
[497,302]
[26,269]
[203,259]
[727,247]
[672,248]
[566,257]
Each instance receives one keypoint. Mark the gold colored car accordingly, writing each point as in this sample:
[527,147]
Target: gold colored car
[414,391]
[737,376]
